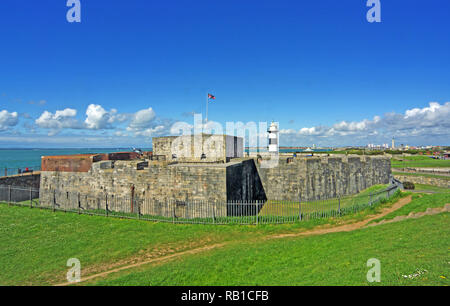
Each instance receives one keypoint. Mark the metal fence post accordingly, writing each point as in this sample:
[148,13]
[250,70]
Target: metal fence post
[138,208]
[173,212]
[299,207]
[256,211]
[132,199]
[339,205]
[167,209]
[9,195]
[54,199]
[31,199]
[67,202]
[106,204]
[79,203]
[214,212]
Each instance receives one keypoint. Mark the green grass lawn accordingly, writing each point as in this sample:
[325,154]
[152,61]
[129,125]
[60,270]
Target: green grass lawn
[420,187]
[418,162]
[36,244]
[420,203]
[403,248]
[442,177]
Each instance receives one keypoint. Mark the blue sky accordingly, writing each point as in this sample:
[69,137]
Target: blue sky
[132,68]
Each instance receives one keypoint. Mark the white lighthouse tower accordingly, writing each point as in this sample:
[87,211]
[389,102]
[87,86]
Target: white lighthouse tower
[273,138]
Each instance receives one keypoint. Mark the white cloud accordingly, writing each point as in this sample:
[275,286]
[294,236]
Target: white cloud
[150,132]
[423,111]
[415,125]
[351,126]
[8,119]
[145,123]
[61,119]
[98,118]
[312,131]
[143,119]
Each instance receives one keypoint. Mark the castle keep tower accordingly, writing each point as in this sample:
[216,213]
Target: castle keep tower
[199,147]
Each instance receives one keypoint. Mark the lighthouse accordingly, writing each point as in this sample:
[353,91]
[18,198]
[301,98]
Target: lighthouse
[273,138]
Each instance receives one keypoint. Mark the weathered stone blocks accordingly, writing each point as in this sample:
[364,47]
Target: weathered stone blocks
[178,189]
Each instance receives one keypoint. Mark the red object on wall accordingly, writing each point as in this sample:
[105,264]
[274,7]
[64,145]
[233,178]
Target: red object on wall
[81,162]
[69,163]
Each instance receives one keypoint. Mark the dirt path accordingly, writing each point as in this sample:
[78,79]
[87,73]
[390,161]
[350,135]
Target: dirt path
[348,227]
[320,231]
[193,251]
[428,212]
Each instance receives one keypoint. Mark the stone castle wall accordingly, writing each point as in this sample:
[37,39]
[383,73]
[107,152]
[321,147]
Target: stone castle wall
[172,186]
[161,188]
[158,180]
[314,178]
[22,180]
[17,187]
[244,183]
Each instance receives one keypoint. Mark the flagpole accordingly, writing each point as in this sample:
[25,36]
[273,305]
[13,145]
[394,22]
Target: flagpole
[206,121]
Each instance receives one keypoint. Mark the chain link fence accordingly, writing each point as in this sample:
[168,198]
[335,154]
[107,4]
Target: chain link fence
[201,212]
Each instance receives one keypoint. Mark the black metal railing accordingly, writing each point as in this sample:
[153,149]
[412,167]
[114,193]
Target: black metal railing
[19,170]
[193,211]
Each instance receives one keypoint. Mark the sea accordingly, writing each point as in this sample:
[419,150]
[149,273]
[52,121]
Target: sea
[15,159]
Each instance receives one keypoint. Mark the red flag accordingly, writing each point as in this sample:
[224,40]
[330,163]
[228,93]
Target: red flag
[210,96]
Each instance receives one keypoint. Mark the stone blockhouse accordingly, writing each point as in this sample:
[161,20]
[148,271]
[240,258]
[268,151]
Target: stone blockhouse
[224,178]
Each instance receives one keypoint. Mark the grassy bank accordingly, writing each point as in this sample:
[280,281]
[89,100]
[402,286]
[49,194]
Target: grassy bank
[442,177]
[36,244]
[423,187]
[418,162]
[420,203]
[403,248]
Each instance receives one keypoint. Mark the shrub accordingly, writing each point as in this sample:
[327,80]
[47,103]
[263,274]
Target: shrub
[409,185]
